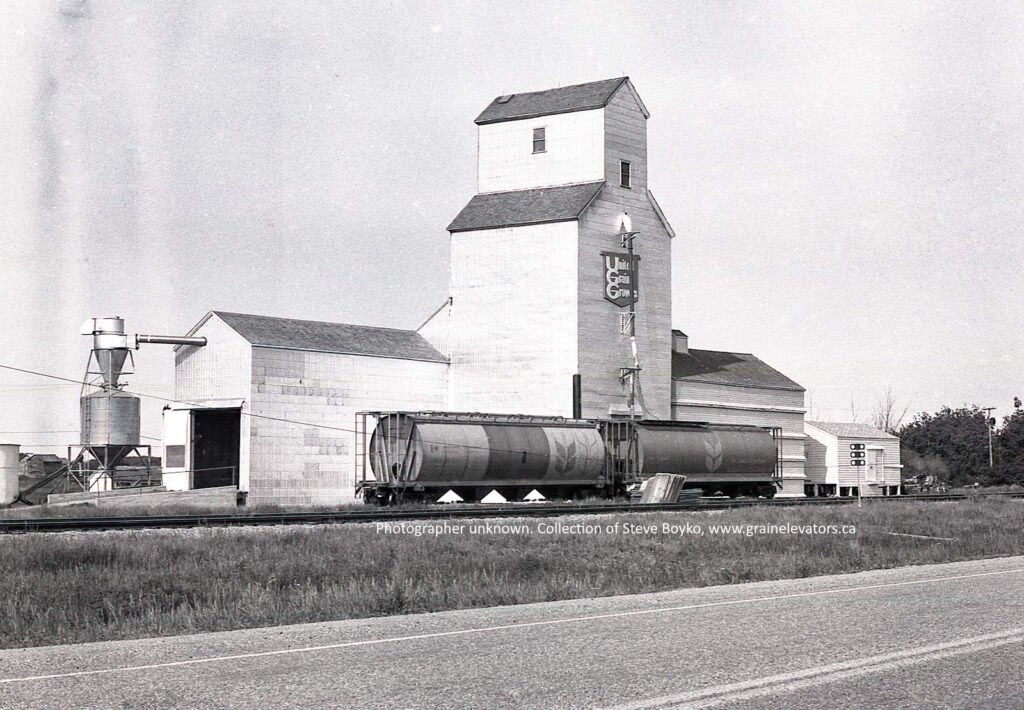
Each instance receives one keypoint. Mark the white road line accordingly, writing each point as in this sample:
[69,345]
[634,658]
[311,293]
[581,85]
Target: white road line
[819,675]
[502,627]
[925,537]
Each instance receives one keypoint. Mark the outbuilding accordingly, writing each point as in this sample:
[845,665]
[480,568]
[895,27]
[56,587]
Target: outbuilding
[269,404]
[833,447]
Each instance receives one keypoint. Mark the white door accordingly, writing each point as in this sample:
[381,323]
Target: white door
[177,445]
[876,466]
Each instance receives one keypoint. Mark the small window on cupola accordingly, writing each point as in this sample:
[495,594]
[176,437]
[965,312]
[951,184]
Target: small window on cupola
[624,173]
[539,141]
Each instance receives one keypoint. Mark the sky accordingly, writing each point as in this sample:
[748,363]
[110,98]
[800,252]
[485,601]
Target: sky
[846,180]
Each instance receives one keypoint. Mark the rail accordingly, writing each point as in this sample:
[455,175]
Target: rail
[372,515]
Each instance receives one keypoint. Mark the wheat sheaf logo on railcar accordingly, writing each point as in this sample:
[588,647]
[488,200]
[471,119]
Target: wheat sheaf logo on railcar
[565,456]
[713,451]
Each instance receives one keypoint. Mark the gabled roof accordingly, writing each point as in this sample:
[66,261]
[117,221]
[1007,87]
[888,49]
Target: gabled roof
[520,207]
[291,334]
[661,215]
[852,430]
[42,458]
[565,99]
[725,368]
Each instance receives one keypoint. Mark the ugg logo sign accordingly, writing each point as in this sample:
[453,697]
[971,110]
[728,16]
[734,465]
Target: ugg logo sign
[618,276]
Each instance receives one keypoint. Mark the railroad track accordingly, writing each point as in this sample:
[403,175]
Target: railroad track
[372,515]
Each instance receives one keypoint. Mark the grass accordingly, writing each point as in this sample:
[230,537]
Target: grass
[88,510]
[95,586]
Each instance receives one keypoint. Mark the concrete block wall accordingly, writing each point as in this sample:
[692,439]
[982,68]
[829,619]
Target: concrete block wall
[313,462]
[220,370]
[513,345]
[573,152]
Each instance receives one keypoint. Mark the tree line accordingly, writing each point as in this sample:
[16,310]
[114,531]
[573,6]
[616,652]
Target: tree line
[952,446]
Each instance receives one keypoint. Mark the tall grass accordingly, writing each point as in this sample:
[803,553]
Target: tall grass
[92,586]
[90,510]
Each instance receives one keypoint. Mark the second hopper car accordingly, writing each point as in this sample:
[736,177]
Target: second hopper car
[422,455]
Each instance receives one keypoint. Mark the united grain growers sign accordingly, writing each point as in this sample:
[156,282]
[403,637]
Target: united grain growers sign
[618,277]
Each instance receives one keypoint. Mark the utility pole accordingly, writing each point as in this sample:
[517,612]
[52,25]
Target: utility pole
[988,425]
[627,236]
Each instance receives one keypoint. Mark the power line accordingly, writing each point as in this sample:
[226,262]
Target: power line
[196,405]
[67,431]
[51,431]
[251,415]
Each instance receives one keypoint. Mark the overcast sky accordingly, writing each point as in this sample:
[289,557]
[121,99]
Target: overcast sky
[846,180]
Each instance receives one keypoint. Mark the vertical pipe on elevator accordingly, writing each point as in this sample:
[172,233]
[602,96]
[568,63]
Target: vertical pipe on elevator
[577,397]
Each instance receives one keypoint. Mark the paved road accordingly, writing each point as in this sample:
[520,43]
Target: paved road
[939,635]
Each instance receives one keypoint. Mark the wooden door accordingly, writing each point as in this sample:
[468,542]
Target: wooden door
[876,466]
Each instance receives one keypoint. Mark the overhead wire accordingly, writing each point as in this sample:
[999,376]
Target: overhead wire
[252,415]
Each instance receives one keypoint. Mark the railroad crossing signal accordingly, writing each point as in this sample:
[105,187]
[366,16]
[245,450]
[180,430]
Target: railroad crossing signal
[857,455]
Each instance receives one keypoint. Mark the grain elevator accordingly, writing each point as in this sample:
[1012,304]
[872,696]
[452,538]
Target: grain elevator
[559,306]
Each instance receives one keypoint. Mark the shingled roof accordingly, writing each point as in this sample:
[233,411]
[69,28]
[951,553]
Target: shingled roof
[291,334]
[565,99]
[852,430]
[718,367]
[512,209]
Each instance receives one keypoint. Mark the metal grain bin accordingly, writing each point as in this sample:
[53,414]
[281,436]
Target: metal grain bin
[110,418]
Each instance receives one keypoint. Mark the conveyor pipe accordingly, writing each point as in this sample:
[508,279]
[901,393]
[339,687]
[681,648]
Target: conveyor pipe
[168,340]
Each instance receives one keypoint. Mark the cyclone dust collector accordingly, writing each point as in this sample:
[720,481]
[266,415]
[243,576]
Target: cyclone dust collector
[110,417]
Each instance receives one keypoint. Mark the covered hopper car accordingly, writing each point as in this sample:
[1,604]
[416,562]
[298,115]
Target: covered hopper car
[422,455]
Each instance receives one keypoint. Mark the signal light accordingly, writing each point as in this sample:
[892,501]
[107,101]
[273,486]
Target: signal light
[856,447]
[857,462]
[856,454]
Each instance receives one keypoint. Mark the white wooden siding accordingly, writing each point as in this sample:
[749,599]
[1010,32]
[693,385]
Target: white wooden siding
[437,328]
[603,348]
[513,344]
[625,138]
[836,465]
[752,406]
[690,391]
[848,475]
[816,468]
[573,152]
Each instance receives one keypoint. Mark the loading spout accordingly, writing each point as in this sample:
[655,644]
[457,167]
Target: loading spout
[168,340]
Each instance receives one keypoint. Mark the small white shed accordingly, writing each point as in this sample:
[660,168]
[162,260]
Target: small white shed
[829,467]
